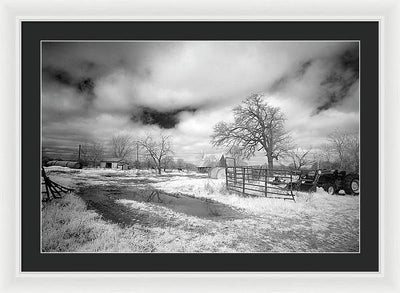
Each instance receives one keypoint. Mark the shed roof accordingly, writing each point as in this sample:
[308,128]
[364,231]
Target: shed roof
[212,160]
[114,160]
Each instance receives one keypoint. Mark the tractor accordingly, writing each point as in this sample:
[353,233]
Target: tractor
[332,181]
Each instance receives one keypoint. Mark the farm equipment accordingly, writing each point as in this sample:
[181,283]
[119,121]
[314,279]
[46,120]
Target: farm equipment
[308,180]
[332,181]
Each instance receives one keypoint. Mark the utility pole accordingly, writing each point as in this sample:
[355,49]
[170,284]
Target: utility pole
[79,153]
[137,163]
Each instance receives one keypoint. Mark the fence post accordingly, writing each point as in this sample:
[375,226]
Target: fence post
[226,176]
[266,182]
[244,180]
[291,183]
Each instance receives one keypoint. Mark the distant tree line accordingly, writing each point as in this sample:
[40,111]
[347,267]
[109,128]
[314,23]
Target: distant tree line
[156,153]
[340,152]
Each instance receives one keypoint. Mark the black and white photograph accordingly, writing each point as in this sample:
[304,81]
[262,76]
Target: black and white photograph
[200,146]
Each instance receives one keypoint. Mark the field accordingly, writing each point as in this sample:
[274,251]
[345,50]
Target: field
[141,211]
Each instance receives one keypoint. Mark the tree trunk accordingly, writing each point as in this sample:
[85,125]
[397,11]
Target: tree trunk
[270,166]
[159,170]
[270,163]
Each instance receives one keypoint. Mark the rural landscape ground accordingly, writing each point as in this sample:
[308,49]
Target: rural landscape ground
[141,211]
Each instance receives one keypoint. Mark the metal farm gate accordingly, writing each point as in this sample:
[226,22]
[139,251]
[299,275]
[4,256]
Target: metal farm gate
[261,181]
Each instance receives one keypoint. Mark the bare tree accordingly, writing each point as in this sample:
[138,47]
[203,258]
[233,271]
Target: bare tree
[300,157]
[257,126]
[327,152]
[338,141]
[92,152]
[157,149]
[346,146]
[168,162]
[121,146]
[324,157]
[353,152]
[148,163]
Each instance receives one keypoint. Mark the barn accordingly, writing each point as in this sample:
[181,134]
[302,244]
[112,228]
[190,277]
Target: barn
[114,163]
[210,161]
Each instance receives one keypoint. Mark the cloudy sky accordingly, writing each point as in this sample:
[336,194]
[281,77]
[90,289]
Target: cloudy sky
[94,90]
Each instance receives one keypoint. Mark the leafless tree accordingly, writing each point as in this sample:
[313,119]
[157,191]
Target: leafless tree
[257,126]
[327,152]
[168,162]
[346,146]
[338,141]
[92,152]
[157,149]
[324,157]
[353,151]
[148,163]
[300,157]
[122,146]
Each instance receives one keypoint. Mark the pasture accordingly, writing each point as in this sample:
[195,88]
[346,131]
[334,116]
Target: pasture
[141,211]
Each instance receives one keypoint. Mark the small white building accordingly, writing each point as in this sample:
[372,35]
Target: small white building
[114,163]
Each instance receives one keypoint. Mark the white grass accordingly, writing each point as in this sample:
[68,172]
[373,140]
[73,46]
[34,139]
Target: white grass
[316,222]
[69,227]
[215,189]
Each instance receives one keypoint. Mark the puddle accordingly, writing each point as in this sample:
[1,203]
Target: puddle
[106,181]
[202,208]
[102,199]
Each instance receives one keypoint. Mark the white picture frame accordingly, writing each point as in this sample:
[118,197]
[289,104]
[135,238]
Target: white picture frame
[385,11]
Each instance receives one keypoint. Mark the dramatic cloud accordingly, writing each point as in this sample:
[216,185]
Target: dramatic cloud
[92,90]
[166,120]
[337,85]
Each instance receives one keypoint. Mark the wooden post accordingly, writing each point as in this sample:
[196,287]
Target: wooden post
[244,180]
[291,184]
[226,175]
[266,183]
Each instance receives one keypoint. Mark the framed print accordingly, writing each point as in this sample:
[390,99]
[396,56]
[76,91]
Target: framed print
[138,154]
[237,147]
